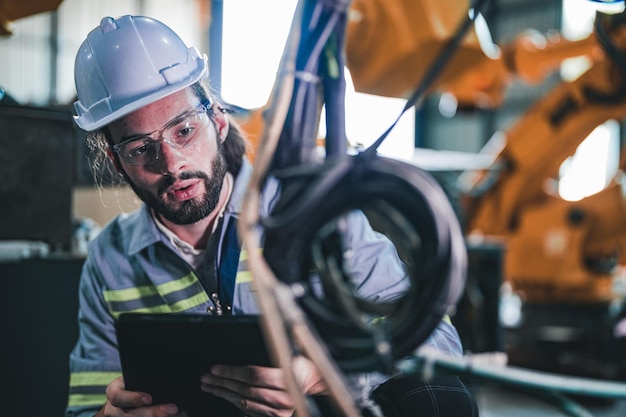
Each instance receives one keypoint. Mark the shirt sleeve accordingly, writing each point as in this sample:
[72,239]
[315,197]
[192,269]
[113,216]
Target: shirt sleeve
[94,361]
[379,275]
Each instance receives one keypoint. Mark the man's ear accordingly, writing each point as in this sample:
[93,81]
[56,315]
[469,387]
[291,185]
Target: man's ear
[116,162]
[218,115]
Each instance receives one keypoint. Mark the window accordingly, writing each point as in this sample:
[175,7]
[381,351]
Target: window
[593,165]
[254,36]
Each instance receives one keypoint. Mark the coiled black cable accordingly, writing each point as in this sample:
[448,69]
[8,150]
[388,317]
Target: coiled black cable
[303,246]
[303,238]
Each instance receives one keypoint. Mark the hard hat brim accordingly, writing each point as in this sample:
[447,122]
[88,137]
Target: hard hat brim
[84,119]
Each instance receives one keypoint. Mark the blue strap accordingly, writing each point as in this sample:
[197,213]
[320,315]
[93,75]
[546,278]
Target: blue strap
[229,262]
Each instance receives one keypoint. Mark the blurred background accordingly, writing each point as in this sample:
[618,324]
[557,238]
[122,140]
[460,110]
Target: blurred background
[50,207]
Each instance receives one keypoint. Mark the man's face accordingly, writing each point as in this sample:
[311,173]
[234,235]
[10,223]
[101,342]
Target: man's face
[183,185]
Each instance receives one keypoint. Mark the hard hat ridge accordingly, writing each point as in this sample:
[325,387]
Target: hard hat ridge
[127,63]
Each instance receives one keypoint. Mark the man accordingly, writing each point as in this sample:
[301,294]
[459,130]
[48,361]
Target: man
[143,96]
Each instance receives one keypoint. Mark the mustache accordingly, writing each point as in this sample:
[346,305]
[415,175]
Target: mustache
[169,180]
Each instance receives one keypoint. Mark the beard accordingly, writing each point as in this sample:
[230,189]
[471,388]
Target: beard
[188,211]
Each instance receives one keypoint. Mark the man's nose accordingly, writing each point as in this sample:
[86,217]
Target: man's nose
[171,158]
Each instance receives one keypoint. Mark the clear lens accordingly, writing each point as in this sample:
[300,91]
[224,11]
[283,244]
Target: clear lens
[140,151]
[179,133]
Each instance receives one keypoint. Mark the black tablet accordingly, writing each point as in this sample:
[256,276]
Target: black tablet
[165,354]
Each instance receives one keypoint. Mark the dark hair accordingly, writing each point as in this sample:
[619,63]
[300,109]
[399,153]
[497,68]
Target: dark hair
[235,143]
[99,141]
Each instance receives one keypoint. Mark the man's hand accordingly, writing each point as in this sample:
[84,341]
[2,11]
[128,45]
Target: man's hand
[261,391]
[123,403]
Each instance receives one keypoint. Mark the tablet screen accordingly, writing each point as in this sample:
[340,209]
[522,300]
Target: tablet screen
[165,354]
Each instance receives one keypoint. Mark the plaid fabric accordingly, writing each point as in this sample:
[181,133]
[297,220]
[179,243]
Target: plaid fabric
[415,396]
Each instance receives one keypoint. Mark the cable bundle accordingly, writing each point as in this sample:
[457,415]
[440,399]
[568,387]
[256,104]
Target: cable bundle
[303,246]
[303,237]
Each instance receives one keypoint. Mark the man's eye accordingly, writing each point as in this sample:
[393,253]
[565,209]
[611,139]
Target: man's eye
[185,131]
[136,150]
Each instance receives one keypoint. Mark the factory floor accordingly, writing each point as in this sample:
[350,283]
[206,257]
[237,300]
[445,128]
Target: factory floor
[503,401]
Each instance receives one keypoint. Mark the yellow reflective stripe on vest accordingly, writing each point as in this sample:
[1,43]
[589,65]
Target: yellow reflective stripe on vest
[145,291]
[129,294]
[97,380]
[81,379]
[243,277]
[182,305]
[243,273]
[85,400]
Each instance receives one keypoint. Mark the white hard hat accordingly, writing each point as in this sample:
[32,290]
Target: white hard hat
[127,63]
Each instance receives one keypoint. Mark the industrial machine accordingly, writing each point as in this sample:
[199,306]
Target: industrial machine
[11,10]
[563,259]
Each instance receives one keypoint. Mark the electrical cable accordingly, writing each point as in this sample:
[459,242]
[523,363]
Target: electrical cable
[304,234]
[433,71]
[325,20]
[429,361]
[315,196]
[273,327]
[277,310]
[412,209]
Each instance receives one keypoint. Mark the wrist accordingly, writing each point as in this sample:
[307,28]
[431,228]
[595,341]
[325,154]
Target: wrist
[100,413]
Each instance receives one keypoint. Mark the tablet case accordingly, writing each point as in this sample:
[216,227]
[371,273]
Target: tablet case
[165,354]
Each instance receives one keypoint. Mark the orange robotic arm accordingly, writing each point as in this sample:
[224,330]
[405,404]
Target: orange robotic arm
[554,248]
[390,44]
[536,145]
[569,251]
